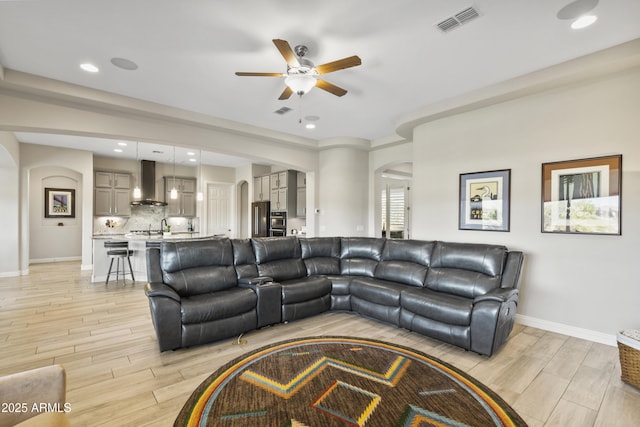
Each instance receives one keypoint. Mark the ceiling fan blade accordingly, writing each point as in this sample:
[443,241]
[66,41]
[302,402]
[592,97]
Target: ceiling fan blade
[286,93]
[340,64]
[259,74]
[330,87]
[286,51]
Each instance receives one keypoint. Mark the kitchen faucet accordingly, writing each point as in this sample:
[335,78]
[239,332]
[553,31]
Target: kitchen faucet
[164,220]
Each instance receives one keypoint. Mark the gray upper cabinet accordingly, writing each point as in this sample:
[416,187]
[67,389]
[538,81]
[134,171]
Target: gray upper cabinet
[112,194]
[283,192]
[261,188]
[185,204]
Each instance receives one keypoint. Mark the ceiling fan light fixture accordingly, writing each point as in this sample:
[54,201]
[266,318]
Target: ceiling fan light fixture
[300,83]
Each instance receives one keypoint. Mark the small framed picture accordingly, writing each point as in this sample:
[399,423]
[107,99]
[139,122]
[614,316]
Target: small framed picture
[582,196]
[59,203]
[484,200]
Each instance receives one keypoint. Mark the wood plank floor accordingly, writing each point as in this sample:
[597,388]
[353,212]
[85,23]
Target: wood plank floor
[116,376]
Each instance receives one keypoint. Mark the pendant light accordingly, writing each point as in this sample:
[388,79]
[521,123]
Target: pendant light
[174,192]
[137,194]
[200,195]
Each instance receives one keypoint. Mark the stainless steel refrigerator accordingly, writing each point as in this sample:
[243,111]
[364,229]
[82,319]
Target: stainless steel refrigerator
[260,219]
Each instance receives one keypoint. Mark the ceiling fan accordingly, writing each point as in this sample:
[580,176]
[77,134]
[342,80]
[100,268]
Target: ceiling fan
[302,75]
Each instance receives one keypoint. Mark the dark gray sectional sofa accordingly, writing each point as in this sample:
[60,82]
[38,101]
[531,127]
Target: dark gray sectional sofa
[206,290]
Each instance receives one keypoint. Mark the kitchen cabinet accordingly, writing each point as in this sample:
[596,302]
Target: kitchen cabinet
[283,192]
[301,195]
[185,204]
[112,194]
[261,188]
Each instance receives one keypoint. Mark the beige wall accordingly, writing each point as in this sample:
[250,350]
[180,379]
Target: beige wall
[39,164]
[582,281]
[344,191]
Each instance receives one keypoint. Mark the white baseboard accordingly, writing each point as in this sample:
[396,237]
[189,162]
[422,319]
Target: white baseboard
[47,260]
[10,274]
[572,331]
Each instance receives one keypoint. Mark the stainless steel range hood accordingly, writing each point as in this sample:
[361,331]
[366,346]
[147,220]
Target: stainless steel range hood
[148,185]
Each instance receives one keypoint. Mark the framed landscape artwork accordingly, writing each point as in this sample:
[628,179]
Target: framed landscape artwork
[484,200]
[59,203]
[582,196]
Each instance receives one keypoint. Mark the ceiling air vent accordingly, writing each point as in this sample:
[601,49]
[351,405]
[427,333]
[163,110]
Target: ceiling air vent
[283,110]
[458,19]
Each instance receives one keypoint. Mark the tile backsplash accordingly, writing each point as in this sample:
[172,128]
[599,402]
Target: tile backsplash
[142,218]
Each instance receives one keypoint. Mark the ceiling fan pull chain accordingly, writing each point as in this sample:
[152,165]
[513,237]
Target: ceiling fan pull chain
[300,110]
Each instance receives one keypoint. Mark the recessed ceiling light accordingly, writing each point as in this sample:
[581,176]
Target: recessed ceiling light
[310,126]
[576,9]
[583,21]
[89,68]
[193,160]
[122,144]
[124,63]
[191,153]
[118,150]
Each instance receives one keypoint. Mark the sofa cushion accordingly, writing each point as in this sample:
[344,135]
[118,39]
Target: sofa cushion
[485,259]
[378,291]
[306,289]
[283,269]
[321,255]
[464,283]
[359,256]
[466,269]
[325,247]
[199,266]
[267,249]
[416,251]
[445,308]
[243,258]
[217,305]
[361,247]
[408,273]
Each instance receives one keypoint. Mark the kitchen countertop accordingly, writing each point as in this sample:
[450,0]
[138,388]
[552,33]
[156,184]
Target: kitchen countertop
[143,237]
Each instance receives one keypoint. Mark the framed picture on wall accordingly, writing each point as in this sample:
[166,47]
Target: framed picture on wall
[582,196]
[59,203]
[484,200]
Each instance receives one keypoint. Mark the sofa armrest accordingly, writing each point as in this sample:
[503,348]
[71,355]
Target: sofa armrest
[261,280]
[166,315]
[512,269]
[161,290]
[499,295]
[154,270]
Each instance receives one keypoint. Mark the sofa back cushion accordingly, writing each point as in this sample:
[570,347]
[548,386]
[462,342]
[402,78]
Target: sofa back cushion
[279,258]
[466,269]
[243,258]
[321,255]
[405,261]
[198,266]
[359,256]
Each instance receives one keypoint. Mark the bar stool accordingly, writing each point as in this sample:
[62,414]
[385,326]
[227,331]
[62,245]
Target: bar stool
[119,251]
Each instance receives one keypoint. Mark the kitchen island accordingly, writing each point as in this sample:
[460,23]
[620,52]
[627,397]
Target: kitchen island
[138,244]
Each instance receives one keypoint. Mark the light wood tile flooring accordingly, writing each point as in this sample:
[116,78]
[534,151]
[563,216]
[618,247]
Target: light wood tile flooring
[116,376]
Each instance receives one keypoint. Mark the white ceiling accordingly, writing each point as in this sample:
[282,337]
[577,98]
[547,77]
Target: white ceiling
[188,51]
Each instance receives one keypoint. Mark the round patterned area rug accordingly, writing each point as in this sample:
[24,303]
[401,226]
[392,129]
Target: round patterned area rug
[340,381]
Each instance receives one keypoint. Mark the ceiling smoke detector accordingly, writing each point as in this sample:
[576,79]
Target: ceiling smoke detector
[458,19]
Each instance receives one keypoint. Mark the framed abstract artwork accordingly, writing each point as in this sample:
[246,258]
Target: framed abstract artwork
[59,203]
[484,200]
[582,196]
